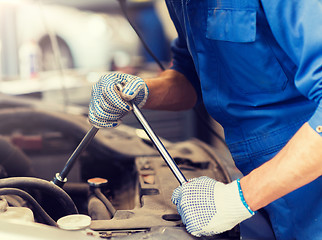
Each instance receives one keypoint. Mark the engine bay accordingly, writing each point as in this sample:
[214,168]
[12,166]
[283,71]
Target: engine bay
[119,181]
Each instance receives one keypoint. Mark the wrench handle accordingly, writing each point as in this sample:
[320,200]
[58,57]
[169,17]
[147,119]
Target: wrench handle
[60,178]
[158,144]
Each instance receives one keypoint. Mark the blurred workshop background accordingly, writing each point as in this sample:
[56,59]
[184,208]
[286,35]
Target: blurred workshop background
[54,50]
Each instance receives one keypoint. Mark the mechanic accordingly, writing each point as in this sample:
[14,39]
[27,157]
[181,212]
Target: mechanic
[257,66]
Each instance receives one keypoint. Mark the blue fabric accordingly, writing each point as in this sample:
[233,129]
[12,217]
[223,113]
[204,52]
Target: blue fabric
[148,22]
[257,66]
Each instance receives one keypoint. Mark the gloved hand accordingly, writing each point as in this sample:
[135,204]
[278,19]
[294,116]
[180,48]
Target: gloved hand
[109,103]
[208,207]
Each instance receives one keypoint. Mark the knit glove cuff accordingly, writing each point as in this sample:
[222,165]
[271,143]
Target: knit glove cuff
[231,209]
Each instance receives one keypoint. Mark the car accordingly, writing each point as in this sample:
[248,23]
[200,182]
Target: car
[119,187]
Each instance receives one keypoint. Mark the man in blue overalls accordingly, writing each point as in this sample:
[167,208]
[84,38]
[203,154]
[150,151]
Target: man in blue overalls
[257,66]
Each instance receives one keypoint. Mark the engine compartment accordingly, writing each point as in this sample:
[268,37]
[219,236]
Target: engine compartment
[137,183]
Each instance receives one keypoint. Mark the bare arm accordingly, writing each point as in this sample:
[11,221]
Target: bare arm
[170,91]
[297,164]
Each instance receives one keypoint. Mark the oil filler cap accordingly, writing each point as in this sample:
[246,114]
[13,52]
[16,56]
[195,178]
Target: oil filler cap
[74,222]
[97,182]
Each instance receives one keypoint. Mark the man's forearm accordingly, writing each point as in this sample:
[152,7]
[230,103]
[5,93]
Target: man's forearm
[297,164]
[170,91]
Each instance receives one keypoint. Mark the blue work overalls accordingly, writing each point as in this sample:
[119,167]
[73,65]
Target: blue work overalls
[257,66]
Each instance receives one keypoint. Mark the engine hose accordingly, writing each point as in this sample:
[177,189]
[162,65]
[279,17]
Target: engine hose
[39,211]
[48,187]
[106,202]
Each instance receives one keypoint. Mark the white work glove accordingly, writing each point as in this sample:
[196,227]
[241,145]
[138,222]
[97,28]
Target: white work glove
[208,207]
[108,104]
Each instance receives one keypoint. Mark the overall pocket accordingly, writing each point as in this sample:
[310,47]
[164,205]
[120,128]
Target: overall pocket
[243,42]
[231,25]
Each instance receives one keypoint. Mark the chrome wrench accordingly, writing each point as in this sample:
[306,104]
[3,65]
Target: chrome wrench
[158,144]
[60,178]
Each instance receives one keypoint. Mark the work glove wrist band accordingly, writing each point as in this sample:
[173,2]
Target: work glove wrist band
[241,195]
[231,208]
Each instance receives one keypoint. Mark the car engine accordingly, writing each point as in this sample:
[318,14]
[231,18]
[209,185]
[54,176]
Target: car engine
[120,187]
